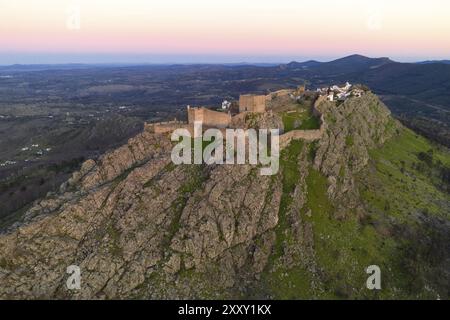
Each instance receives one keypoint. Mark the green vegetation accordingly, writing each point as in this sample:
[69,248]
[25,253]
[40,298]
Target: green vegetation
[252,120]
[196,176]
[317,198]
[114,234]
[404,178]
[343,248]
[290,283]
[289,164]
[151,183]
[301,118]
[411,175]
[313,146]
[349,141]
[287,283]
[67,166]
[405,193]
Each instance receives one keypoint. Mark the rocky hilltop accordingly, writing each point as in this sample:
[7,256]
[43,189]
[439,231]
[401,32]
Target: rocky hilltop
[140,227]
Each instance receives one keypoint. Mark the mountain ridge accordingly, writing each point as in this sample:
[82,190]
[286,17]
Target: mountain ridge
[140,227]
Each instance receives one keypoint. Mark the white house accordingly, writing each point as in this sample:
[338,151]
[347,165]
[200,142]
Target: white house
[347,87]
[226,104]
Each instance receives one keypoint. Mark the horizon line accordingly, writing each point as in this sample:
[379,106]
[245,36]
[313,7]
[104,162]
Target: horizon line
[185,61]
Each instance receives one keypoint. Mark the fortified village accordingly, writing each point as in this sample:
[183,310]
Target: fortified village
[234,114]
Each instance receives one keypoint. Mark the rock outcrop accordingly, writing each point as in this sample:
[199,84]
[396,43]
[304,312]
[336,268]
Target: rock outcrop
[350,130]
[140,227]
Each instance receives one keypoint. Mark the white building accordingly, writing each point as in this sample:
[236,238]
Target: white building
[347,87]
[358,93]
[343,95]
[226,104]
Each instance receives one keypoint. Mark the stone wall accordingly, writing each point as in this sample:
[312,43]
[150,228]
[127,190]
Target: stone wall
[209,118]
[300,90]
[221,120]
[167,127]
[281,93]
[319,101]
[308,135]
[252,103]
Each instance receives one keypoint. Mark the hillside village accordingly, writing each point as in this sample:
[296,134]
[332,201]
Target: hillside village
[231,114]
[335,93]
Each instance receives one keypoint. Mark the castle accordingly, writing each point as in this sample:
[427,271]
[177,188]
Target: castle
[211,118]
[250,103]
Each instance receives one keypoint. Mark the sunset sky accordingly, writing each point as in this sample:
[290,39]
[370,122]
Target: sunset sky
[59,31]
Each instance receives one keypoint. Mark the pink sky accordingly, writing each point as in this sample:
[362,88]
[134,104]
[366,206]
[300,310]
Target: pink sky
[282,28]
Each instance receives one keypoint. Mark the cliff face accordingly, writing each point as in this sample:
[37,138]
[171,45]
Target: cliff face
[350,131]
[140,227]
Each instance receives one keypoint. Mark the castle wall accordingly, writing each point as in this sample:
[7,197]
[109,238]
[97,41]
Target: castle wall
[168,127]
[319,101]
[209,118]
[308,135]
[159,127]
[252,103]
[282,93]
[300,90]
[194,114]
[215,119]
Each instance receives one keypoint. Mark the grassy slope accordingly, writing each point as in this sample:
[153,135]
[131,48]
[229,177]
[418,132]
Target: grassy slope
[280,281]
[344,249]
[409,207]
[300,118]
[397,185]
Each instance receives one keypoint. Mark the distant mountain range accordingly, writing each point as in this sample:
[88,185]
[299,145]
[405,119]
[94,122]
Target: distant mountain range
[343,63]
[434,61]
[409,86]
[348,64]
[411,90]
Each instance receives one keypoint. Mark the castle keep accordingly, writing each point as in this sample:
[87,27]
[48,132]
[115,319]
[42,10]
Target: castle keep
[209,118]
[252,103]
